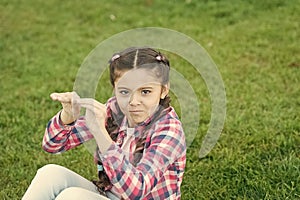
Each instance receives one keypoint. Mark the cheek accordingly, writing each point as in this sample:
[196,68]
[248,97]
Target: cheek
[122,102]
[155,98]
[151,103]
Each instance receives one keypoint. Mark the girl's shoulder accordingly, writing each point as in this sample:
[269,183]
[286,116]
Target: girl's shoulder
[170,114]
[167,129]
[169,121]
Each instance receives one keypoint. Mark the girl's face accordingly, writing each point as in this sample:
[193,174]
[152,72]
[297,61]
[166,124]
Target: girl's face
[138,94]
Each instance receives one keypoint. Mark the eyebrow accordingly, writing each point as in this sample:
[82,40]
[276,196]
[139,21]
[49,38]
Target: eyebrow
[146,87]
[141,88]
[122,88]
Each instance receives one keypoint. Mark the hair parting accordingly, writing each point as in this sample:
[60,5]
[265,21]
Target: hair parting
[135,58]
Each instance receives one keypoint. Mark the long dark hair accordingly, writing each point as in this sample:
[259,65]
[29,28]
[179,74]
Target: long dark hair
[121,62]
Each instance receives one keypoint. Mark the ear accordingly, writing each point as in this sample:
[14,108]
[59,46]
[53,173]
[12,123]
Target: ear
[165,90]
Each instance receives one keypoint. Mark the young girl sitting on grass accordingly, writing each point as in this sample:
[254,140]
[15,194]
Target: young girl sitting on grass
[141,148]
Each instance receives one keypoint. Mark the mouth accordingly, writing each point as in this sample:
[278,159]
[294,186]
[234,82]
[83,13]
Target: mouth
[135,111]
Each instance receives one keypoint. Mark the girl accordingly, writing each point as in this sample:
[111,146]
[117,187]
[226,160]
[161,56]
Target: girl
[141,148]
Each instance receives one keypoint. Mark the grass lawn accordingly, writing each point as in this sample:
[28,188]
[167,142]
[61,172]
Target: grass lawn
[254,43]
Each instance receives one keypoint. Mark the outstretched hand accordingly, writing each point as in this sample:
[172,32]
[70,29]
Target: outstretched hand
[71,109]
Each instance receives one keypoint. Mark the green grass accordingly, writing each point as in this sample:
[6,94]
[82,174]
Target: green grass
[254,43]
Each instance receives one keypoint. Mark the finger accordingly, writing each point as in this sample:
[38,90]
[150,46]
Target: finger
[54,96]
[62,97]
[65,97]
[90,101]
[90,104]
[75,96]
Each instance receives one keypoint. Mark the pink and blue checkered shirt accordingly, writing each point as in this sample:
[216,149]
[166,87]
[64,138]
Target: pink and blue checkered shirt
[159,173]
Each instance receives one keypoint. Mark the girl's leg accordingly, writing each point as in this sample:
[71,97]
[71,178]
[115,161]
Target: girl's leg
[51,180]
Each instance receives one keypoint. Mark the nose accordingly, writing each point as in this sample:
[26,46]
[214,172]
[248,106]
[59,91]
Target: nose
[134,99]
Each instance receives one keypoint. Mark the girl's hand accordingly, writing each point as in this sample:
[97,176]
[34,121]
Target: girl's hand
[95,114]
[95,120]
[71,109]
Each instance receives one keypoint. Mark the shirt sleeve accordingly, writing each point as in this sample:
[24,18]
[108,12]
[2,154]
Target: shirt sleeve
[166,146]
[59,137]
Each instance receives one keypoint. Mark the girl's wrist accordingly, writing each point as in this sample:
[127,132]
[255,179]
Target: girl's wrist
[65,118]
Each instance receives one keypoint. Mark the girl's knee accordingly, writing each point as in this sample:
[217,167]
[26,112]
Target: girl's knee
[73,193]
[49,168]
[51,171]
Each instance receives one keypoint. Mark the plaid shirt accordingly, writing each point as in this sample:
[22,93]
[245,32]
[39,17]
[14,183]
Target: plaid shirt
[159,173]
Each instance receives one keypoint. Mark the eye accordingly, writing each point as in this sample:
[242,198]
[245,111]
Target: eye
[145,92]
[124,92]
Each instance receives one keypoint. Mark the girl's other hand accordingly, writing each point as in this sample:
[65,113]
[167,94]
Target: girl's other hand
[95,119]
[95,113]
[69,102]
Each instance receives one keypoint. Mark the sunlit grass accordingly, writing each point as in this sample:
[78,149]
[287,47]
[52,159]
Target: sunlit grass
[254,43]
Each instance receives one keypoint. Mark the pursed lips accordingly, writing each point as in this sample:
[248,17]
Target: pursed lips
[135,111]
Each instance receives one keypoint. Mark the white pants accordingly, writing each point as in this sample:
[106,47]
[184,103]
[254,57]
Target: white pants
[59,183]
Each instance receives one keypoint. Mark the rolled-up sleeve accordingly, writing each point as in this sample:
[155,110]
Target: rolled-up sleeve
[59,137]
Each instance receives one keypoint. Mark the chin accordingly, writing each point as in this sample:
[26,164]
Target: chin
[138,121]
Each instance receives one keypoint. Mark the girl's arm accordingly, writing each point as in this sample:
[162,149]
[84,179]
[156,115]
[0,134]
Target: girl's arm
[66,129]
[59,137]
